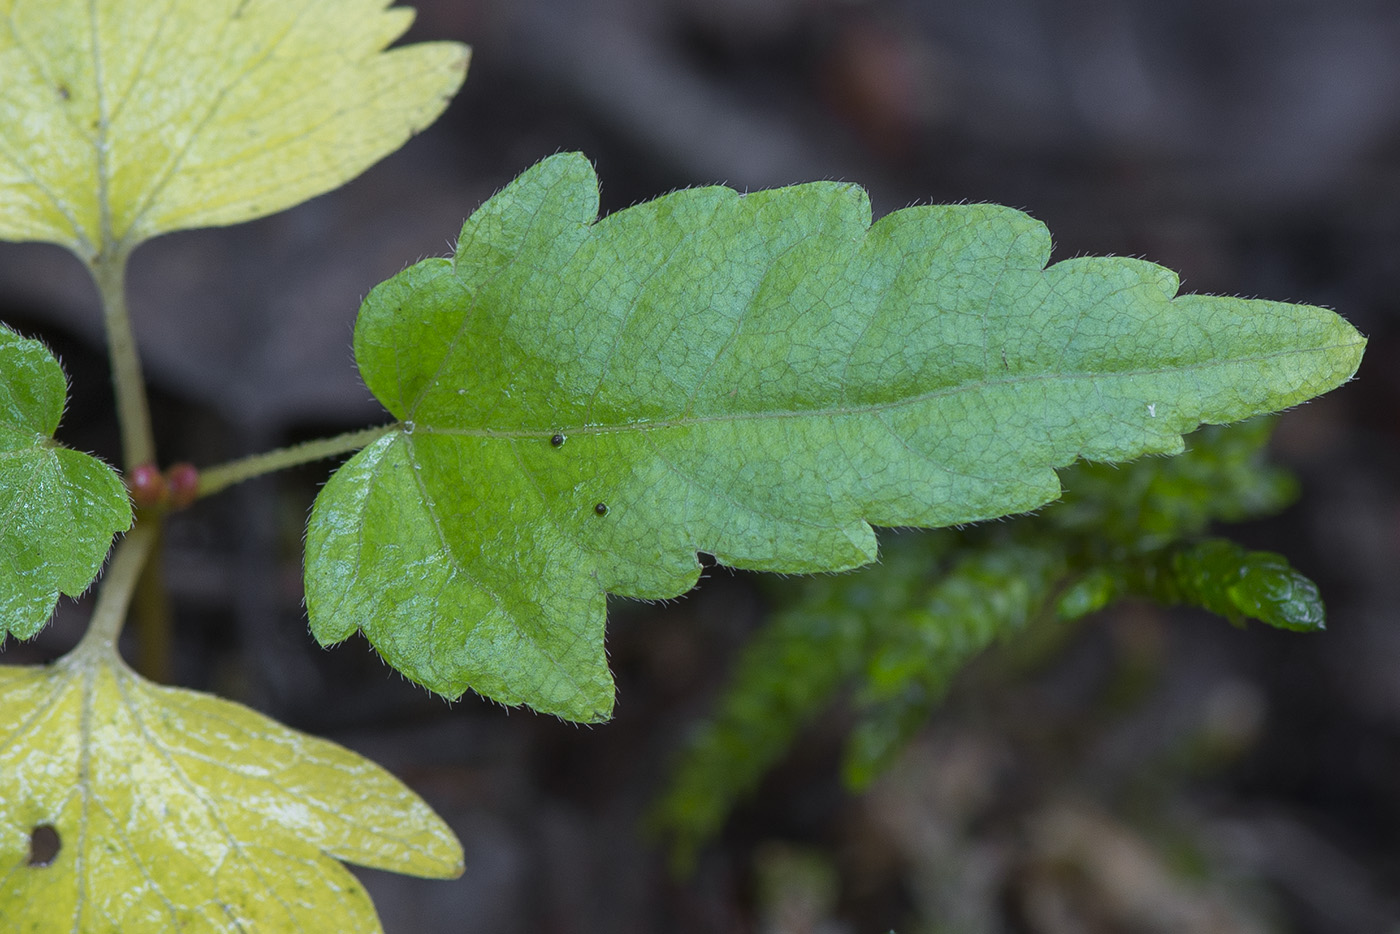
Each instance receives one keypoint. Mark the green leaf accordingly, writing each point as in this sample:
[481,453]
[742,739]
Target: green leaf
[916,651]
[177,811]
[787,673]
[1215,575]
[587,403]
[58,508]
[903,629]
[123,119]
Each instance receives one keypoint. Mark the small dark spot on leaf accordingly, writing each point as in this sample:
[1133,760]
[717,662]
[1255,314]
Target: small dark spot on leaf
[601,509]
[557,440]
[63,91]
[44,844]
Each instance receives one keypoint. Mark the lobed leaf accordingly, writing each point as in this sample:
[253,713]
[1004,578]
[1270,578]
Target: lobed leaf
[123,119]
[170,810]
[58,508]
[587,403]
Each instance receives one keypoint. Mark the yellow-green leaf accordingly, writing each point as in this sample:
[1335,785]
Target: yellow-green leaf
[177,811]
[123,119]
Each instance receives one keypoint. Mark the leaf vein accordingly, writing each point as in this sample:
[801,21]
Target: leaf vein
[867,408]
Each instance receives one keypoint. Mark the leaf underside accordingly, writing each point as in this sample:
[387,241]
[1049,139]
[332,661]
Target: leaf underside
[587,403]
[175,810]
[123,119]
[58,508]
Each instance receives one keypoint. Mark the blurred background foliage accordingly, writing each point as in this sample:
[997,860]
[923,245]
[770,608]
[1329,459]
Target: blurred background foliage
[895,636]
[1126,762]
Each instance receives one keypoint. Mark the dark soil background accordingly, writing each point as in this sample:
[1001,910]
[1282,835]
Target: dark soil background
[1159,773]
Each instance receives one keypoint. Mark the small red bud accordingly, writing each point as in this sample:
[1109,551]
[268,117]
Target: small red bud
[184,484]
[147,486]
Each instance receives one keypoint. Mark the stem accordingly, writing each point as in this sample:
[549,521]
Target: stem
[118,584]
[152,618]
[133,412]
[224,475]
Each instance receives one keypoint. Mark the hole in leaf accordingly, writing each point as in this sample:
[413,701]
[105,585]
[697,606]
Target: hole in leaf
[706,559]
[44,844]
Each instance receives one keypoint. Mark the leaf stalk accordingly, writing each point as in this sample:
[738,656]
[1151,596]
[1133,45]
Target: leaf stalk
[133,411]
[116,590]
[218,477]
